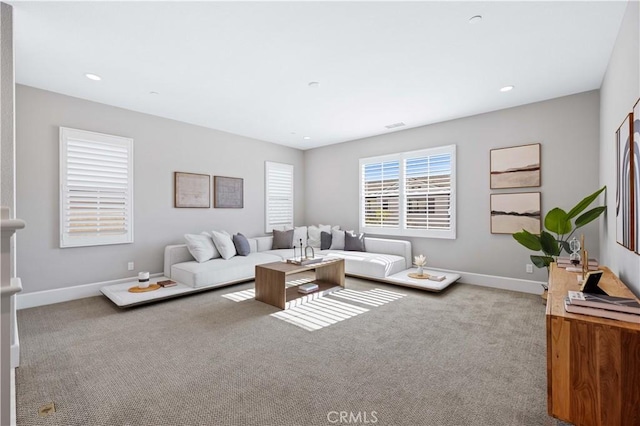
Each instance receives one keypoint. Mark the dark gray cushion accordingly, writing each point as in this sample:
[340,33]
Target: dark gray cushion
[353,242]
[242,244]
[282,239]
[325,240]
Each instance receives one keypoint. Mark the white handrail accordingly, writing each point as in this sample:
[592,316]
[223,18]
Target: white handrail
[14,287]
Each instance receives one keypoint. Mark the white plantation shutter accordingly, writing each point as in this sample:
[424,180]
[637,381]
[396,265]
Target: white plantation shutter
[428,192]
[381,187]
[96,188]
[409,194]
[278,195]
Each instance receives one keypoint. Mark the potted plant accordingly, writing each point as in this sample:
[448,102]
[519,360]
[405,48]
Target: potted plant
[560,227]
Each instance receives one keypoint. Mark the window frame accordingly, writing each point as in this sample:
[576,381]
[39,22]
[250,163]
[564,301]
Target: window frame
[67,240]
[402,229]
[283,167]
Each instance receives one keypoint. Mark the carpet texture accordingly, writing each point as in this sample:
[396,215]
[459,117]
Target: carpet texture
[469,356]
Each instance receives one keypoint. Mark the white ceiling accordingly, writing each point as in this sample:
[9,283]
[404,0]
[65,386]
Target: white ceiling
[245,67]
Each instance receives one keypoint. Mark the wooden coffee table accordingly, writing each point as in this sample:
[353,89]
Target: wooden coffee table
[271,279]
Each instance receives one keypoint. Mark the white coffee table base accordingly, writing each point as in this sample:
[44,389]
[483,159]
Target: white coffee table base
[403,279]
[120,295]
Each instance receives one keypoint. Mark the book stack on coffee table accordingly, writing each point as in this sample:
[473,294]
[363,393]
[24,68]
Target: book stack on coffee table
[617,308]
[307,288]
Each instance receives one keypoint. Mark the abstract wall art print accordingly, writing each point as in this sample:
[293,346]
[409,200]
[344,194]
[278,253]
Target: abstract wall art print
[512,213]
[228,192]
[624,185]
[515,167]
[191,190]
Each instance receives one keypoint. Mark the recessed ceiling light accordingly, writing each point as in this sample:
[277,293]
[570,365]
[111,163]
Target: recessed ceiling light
[153,93]
[506,88]
[306,138]
[93,77]
[394,125]
[475,19]
[314,84]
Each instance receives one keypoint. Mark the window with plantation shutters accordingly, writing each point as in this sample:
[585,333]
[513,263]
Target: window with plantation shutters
[409,194]
[96,189]
[278,195]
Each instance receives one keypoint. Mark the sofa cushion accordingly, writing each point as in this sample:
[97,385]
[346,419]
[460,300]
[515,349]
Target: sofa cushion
[325,240]
[201,246]
[224,244]
[282,239]
[337,239]
[220,271]
[314,232]
[283,254]
[241,244]
[353,242]
[373,265]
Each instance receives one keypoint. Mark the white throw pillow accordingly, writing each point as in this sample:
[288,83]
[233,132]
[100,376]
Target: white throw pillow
[300,233]
[337,239]
[224,244]
[201,247]
[314,234]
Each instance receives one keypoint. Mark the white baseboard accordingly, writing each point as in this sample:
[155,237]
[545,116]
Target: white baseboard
[504,283]
[49,297]
[12,395]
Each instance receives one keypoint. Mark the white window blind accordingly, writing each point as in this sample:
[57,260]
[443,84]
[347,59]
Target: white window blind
[410,193]
[278,195]
[96,188]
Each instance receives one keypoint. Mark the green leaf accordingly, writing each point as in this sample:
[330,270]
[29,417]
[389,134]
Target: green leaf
[541,261]
[557,221]
[584,203]
[590,216]
[549,244]
[529,240]
[565,246]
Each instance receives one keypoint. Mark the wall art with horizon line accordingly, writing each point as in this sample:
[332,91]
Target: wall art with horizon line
[515,167]
[636,173]
[624,185]
[514,212]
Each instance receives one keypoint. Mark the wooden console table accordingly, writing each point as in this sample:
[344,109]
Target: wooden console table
[593,363]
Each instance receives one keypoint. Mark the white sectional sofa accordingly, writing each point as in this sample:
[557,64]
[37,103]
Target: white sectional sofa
[382,258]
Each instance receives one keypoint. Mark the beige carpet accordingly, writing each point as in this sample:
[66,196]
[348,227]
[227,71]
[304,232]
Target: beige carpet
[468,356]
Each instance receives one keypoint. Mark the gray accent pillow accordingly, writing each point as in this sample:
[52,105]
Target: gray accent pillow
[325,240]
[201,247]
[353,242]
[224,244]
[242,244]
[282,239]
[337,240]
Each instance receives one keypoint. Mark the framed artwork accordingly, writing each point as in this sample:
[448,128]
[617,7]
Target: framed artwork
[624,181]
[636,174]
[515,167]
[191,190]
[228,192]
[512,213]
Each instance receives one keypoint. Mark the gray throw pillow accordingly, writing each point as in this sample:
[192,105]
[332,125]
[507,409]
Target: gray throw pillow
[242,244]
[282,239]
[325,240]
[337,240]
[353,242]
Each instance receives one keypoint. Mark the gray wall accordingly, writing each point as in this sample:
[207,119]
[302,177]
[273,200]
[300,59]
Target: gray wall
[620,91]
[566,127]
[7,87]
[161,146]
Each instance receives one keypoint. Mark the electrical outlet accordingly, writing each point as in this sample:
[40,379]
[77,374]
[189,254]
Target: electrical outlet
[130,266]
[529,268]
